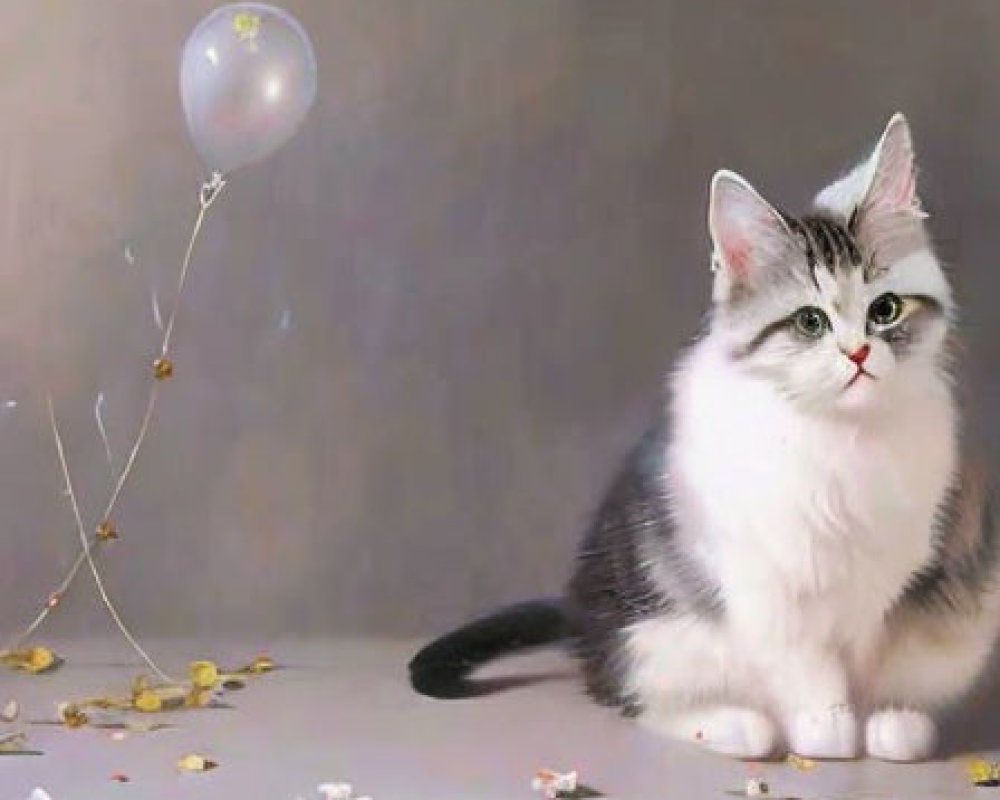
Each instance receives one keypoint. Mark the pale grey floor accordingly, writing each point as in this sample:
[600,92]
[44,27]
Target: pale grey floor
[342,711]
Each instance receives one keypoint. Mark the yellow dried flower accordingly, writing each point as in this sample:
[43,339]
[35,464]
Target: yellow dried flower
[40,659]
[147,700]
[193,762]
[800,763]
[204,674]
[163,368]
[33,660]
[981,771]
[198,697]
[72,716]
[260,665]
[106,532]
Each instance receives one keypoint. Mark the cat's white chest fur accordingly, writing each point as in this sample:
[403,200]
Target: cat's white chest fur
[812,526]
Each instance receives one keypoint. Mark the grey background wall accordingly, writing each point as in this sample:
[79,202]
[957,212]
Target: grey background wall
[418,339]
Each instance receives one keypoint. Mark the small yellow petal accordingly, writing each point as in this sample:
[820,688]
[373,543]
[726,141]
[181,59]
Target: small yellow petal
[198,698]
[40,659]
[262,664]
[979,770]
[147,700]
[204,674]
[800,763]
[193,762]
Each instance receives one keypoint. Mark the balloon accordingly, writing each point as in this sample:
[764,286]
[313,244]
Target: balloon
[247,79]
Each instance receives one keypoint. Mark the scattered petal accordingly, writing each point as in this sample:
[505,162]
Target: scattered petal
[983,773]
[71,715]
[34,660]
[199,698]
[119,736]
[552,784]
[16,744]
[137,726]
[119,777]
[149,698]
[800,763]
[335,791]
[10,712]
[193,762]
[39,794]
[204,674]
[147,701]
[260,665]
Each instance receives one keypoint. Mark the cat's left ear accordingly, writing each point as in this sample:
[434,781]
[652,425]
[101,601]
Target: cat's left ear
[892,188]
[888,218]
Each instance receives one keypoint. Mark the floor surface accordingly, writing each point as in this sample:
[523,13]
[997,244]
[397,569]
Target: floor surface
[342,711]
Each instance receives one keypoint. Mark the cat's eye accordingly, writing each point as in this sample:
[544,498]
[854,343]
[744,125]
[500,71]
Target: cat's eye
[885,310]
[811,322]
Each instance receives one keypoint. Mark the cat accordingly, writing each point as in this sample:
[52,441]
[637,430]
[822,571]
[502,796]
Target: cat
[799,553]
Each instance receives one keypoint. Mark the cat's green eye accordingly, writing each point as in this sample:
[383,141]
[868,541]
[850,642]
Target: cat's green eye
[811,322]
[885,310]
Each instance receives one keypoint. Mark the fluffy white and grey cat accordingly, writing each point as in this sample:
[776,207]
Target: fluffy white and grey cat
[798,554]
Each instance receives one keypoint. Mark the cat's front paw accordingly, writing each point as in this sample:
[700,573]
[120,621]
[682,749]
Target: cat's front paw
[900,735]
[830,732]
[729,730]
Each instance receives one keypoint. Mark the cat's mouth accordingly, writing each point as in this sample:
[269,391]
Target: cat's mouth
[862,372]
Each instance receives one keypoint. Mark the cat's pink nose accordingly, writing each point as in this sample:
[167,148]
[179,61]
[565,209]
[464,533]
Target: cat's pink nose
[859,355]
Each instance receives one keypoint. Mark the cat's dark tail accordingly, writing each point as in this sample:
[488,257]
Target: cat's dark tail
[442,669]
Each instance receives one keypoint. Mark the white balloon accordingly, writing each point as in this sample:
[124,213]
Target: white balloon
[247,79]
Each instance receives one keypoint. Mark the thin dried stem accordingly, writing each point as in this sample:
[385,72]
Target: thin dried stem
[85,546]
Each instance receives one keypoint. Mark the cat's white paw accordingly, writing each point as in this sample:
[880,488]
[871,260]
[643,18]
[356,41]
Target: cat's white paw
[824,733]
[737,732]
[900,735]
[730,730]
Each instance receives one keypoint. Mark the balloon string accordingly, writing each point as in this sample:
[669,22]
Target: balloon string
[209,192]
[82,532]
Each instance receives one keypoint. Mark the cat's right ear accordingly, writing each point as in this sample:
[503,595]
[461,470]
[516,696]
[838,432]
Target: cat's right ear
[748,233]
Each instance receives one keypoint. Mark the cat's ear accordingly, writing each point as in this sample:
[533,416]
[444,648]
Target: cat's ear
[748,233]
[892,186]
[887,218]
